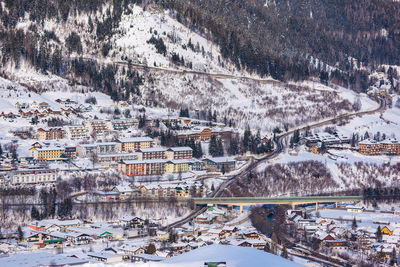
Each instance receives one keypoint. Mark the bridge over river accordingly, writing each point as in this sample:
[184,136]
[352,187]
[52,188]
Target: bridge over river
[293,201]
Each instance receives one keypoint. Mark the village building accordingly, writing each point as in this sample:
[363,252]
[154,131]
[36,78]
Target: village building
[204,133]
[33,176]
[47,153]
[179,153]
[98,126]
[372,147]
[142,167]
[109,160]
[220,164]
[124,124]
[177,166]
[70,152]
[151,153]
[129,221]
[133,144]
[105,257]
[87,150]
[76,132]
[50,133]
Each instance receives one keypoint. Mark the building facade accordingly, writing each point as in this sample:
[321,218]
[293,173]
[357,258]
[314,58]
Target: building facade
[179,153]
[50,133]
[47,153]
[142,167]
[135,143]
[33,176]
[372,147]
[75,132]
[151,153]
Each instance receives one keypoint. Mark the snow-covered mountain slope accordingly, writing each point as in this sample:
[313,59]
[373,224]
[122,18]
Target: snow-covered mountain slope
[263,105]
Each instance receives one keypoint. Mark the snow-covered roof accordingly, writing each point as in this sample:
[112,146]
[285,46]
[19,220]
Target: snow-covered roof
[152,149]
[221,159]
[136,139]
[39,259]
[182,148]
[148,161]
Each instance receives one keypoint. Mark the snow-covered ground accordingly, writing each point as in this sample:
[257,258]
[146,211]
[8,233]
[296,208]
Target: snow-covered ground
[388,123]
[366,218]
[234,256]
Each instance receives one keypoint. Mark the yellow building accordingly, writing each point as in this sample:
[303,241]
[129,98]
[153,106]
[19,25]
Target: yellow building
[135,143]
[162,236]
[176,166]
[386,230]
[47,153]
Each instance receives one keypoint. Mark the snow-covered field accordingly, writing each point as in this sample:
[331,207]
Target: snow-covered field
[367,218]
[387,123]
[234,256]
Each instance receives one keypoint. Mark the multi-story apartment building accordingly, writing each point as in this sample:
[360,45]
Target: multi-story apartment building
[76,132]
[85,150]
[47,153]
[205,133]
[123,124]
[50,133]
[113,159]
[134,143]
[151,153]
[177,166]
[390,147]
[220,164]
[70,151]
[33,176]
[98,126]
[372,147]
[179,153]
[142,167]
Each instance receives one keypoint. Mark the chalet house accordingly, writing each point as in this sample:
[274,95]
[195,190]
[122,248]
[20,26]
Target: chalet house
[50,133]
[259,244]
[220,164]
[133,144]
[252,235]
[123,189]
[44,105]
[336,244]
[130,250]
[129,221]
[205,218]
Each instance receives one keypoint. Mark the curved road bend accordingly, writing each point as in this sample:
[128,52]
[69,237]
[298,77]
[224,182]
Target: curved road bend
[274,154]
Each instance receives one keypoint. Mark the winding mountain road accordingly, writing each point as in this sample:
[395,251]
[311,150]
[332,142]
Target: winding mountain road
[278,149]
